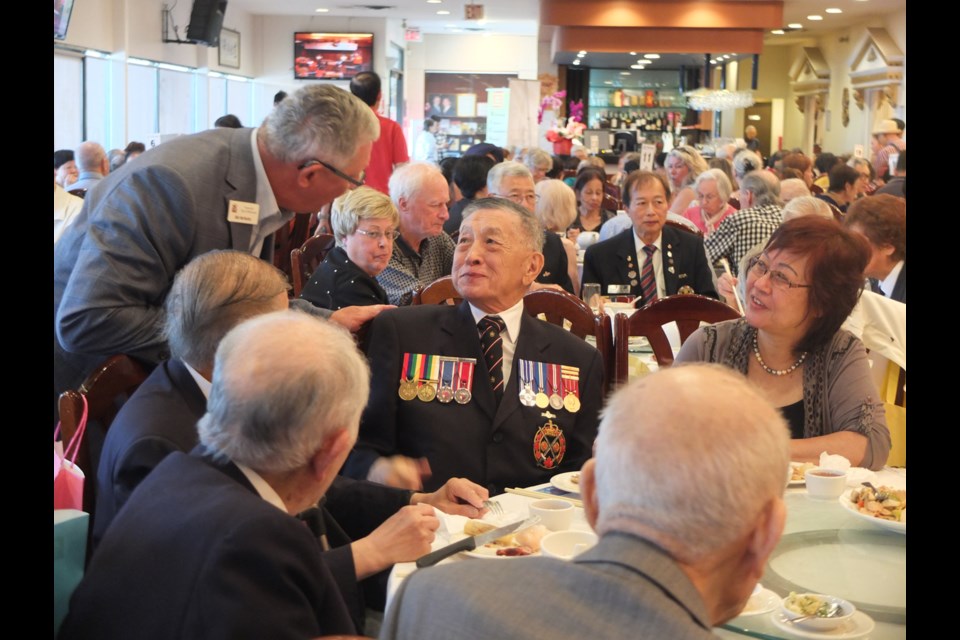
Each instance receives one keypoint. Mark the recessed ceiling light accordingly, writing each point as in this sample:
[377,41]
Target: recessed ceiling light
[795,25]
[651,56]
[624,73]
[434,1]
[634,66]
[633,53]
[713,62]
[644,62]
[581,53]
[576,61]
[322,10]
[834,10]
[814,17]
[608,82]
[778,32]
[443,12]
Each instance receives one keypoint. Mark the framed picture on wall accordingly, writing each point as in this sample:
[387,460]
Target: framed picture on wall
[229,50]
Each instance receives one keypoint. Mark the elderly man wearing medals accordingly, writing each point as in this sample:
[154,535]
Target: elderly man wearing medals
[481,390]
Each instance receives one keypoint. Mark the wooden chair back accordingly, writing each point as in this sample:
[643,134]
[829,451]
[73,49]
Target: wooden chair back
[610,203]
[440,291]
[682,227]
[305,259]
[106,389]
[559,307]
[688,311]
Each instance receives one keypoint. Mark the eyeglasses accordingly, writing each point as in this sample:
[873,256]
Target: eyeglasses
[335,171]
[379,235]
[520,198]
[778,279]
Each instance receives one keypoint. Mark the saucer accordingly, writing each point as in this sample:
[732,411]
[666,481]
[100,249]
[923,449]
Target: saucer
[858,626]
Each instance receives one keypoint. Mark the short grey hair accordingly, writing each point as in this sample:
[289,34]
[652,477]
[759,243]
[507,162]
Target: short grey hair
[745,161]
[793,188]
[272,412]
[530,228]
[212,294]
[503,170]
[724,188]
[406,181]
[90,156]
[117,157]
[691,471]
[764,186]
[806,206]
[363,203]
[556,206]
[538,158]
[319,121]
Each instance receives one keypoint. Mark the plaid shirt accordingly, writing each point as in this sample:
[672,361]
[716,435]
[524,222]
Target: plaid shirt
[740,232]
[881,159]
[408,270]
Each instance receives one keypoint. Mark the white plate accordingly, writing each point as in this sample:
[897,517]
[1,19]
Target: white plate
[858,626]
[890,525]
[563,482]
[490,553]
[796,483]
[763,602]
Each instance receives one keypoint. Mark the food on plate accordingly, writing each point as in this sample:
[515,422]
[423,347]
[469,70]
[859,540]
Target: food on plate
[531,537]
[476,527]
[575,478]
[807,604]
[799,469]
[515,551]
[885,503]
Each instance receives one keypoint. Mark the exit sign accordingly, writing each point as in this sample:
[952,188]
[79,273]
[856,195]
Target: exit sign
[412,34]
[473,11]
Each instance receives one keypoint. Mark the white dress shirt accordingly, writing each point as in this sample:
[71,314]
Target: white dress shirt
[511,317]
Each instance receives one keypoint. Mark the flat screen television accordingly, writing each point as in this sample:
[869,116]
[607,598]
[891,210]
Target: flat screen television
[61,18]
[331,56]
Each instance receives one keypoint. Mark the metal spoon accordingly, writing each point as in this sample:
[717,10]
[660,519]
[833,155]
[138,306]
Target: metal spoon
[832,609]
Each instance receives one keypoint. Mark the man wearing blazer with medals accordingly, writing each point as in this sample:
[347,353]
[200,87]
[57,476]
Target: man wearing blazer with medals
[649,261]
[481,390]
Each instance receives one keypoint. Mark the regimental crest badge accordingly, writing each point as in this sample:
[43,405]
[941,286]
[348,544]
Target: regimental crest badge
[549,444]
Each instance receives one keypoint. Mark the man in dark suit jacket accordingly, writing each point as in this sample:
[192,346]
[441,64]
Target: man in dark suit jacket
[655,573]
[475,418]
[882,220]
[679,260]
[219,189]
[207,546]
[210,296]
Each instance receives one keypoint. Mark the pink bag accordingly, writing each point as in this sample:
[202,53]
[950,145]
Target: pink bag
[67,476]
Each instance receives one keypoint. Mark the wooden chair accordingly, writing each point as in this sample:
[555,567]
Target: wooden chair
[106,389]
[440,291]
[610,203]
[305,259]
[559,306]
[688,311]
[894,395]
[682,227]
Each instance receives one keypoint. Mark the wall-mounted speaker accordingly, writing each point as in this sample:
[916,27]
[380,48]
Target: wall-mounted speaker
[206,19]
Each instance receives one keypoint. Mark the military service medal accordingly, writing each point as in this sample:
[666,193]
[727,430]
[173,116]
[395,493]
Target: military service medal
[556,400]
[571,388]
[445,392]
[465,369]
[408,386]
[429,377]
[527,395]
[549,444]
[541,400]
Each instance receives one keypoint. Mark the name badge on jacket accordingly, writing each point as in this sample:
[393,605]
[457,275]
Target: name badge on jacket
[243,212]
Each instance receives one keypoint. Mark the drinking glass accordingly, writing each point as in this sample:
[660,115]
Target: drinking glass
[591,295]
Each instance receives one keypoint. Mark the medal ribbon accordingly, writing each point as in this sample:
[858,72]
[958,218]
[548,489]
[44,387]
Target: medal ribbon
[447,367]
[406,373]
[554,379]
[465,374]
[571,380]
[540,377]
[430,368]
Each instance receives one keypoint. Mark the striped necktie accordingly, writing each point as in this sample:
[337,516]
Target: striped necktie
[492,345]
[648,280]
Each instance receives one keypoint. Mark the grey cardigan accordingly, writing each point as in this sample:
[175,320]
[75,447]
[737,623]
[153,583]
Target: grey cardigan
[838,392]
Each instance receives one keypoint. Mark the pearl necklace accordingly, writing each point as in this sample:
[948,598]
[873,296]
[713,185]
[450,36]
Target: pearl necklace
[776,372]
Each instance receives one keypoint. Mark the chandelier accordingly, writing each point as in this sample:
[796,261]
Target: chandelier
[718,100]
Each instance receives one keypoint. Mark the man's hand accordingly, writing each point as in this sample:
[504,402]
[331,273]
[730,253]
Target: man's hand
[458,496]
[726,287]
[403,537]
[400,471]
[355,317]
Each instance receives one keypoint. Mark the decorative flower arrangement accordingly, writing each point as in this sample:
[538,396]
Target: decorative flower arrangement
[569,129]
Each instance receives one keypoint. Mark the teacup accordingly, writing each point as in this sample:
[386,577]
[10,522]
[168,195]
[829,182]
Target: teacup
[555,514]
[825,484]
[587,238]
[567,544]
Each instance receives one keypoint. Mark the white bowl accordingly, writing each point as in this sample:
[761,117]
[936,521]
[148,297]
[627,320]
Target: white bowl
[567,544]
[819,624]
[825,484]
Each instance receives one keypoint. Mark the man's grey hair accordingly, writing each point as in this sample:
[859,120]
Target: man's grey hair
[363,203]
[503,170]
[793,188]
[556,205]
[319,121]
[724,188]
[212,294]
[406,181]
[90,156]
[116,157]
[282,384]
[764,186]
[806,206]
[531,231]
[695,467]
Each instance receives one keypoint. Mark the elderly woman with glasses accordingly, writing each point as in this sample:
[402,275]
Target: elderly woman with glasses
[799,290]
[365,224]
[713,191]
